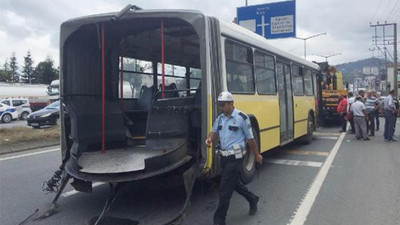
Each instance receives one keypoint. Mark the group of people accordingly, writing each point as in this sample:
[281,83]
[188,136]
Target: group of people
[362,112]
[233,129]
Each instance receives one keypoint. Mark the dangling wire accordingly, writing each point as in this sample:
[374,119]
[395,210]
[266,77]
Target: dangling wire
[52,185]
[103,142]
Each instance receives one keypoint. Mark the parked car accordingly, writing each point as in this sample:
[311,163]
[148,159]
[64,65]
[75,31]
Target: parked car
[46,116]
[21,104]
[7,113]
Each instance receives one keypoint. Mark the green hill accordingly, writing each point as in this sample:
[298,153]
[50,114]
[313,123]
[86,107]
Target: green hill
[352,70]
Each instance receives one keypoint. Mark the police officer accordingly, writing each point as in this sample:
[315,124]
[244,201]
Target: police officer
[233,129]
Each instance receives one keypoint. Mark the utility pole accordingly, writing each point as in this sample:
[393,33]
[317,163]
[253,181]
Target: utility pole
[394,50]
[395,58]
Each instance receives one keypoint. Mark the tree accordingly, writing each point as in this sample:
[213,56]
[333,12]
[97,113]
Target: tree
[28,73]
[14,68]
[5,73]
[45,72]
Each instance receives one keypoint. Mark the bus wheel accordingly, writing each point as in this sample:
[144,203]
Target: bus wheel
[248,170]
[307,139]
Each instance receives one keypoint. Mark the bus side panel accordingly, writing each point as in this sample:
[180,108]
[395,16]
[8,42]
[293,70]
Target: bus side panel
[269,139]
[265,108]
[303,104]
[299,114]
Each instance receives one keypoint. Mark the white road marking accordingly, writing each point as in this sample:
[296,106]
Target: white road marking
[69,193]
[293,162]
[325,134]
[329,138]
[29,154]
[303,210]
[302,152]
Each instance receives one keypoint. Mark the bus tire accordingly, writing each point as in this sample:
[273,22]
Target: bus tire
[307,139]
[248,170]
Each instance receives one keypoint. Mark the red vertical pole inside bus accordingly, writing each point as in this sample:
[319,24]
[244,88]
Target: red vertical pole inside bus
[122,83]
[103,141]
[162,59]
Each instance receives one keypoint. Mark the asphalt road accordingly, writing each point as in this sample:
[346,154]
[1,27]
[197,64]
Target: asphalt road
[334,180]
[15,123]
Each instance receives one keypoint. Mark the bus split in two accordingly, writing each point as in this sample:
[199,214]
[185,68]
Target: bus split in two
[139,92]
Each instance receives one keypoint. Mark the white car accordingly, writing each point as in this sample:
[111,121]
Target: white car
[21,104]
[7,113]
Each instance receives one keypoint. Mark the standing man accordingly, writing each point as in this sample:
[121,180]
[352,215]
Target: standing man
[372,106]
[390,116]
[350,100]
[233,129]
[360,117]
[342,110]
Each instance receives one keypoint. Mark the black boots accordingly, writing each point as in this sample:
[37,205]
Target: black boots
[253,206]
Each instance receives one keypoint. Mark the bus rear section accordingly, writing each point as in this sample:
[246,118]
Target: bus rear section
[132,93]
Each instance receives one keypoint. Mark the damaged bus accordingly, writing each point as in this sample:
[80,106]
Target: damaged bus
[139,90]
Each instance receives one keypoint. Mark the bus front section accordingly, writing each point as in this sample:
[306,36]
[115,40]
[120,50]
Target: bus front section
[132,92]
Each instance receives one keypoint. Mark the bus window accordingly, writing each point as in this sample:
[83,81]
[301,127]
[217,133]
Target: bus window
[308,84]
[195,77]
[265,73]
[239,68]
[174,80]
[297,81]
[136,74]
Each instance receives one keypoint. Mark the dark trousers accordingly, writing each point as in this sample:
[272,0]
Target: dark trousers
[343,121]
[352,124]
[371,123]
[377,119]
[230,181]
[390,120]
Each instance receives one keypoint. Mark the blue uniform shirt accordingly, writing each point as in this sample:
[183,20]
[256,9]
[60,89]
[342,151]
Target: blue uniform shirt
[233,129]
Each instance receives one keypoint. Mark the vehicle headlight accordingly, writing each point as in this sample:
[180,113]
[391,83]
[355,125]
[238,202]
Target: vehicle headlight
[45,115]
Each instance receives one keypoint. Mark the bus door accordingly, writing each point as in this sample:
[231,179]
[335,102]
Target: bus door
[285,102]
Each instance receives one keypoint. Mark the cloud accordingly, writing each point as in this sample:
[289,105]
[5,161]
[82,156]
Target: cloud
[34,24]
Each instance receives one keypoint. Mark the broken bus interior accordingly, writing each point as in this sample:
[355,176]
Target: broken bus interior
[132,94]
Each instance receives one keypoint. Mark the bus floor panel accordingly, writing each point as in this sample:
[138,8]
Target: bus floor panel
[116,160]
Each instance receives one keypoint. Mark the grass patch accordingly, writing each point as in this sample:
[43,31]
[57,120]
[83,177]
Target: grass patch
[9,136]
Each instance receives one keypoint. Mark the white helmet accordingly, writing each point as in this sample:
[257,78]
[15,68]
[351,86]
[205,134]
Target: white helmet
[225,96]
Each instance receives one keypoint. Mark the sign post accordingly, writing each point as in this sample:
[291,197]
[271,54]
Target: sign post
[273,20]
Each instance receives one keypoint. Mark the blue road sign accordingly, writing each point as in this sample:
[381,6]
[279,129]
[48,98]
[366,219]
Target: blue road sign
[272,20]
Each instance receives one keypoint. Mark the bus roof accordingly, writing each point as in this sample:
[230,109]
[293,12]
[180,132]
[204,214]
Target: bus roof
[227,28]
[109,16]
[241,33]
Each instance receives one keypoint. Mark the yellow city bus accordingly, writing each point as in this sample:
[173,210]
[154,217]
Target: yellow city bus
[139,91]
[277,90]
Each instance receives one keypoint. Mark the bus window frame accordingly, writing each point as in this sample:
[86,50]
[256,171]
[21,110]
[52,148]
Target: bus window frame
[229,39]
[312,82]
[297,75]
[152,74]
[254,62]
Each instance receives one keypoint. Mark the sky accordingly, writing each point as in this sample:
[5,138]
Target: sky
[34,25]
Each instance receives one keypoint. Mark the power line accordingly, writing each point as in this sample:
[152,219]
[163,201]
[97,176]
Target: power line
[396,13]
[391,12]
[387,7]
[376,10]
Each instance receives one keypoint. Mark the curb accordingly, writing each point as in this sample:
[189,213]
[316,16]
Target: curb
[10,149]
